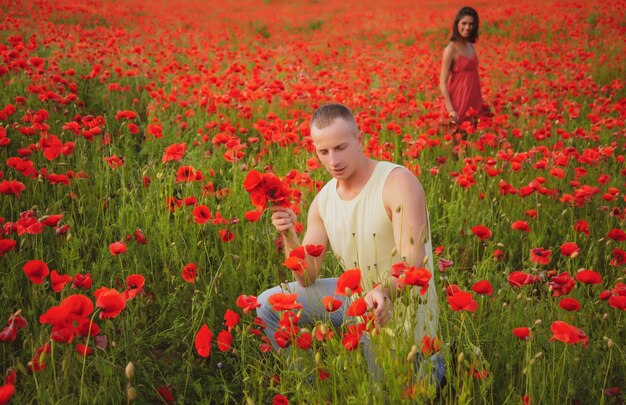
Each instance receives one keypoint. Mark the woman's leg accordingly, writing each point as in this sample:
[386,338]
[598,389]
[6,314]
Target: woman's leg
[312,307]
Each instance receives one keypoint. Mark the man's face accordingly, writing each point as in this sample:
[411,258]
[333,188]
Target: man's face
[338,148]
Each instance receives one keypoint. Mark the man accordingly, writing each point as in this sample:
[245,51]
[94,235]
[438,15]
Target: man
[373,215]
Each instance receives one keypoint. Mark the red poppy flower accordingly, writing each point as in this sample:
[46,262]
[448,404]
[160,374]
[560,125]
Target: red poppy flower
[331,304]
[483,287]
[247,303]
[444,264]
[126,114]
[82,281]
[314,250]
[522,333]
[570,249]
[540,255]
[134,285]
[166,394]
[36,271]
[224,340]
[84,350]
[280,400]
[6,393]
[231,319]
[190,272]
[430,345]
[588,277]
[462,301]
[6,245]
[617,235]
[519,278]
[481,231]
[12,187]
[618,302]
[226,235]
[51,220]
[201,214]
[281,301]
[295,264]
[619,257]
[357,308]
[58,281]
[304,341]
[174,152]
[140,237]
[114,161]
[520,226]
[567,333]
[252,215]
[582,226]
[416,277]
[110,302]
[117,248]
[349,282]
[203,340]
[569,304]
[350,341]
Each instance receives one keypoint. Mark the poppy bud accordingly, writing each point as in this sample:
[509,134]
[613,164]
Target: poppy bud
[460,358]
[131,393]
[538,322]
[318,358]
[412,353]
[130,370]
[249,401]
[538,355]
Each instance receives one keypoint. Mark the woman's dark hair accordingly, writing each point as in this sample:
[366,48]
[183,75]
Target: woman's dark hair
[456,35]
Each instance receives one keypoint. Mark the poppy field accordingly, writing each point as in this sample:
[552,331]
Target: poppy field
[142,142]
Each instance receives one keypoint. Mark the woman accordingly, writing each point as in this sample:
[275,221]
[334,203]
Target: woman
[459,82]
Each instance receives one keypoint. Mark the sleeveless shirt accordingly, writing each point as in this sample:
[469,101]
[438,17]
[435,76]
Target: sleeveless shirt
[361,236]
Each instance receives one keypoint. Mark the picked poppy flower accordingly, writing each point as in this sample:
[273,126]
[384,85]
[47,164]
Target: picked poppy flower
[349,282]
[58,281]
[357,308]
[588,277]
[224,341]
[540,255]
[331,304]
[36,271]
[569,304]
[481,231]
[247,303]
[570,249]
[282,302]
[117,248]
[462,301]
[110,302]
[522,332]
[567,333]
[483,287]
[189,273]
[201,214]
[203,340]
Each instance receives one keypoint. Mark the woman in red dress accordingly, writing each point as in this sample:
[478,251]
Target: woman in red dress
[459,82]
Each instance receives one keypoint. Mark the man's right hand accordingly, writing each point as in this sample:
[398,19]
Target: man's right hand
[283,219]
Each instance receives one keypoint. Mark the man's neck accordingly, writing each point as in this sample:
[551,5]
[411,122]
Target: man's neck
[353,185]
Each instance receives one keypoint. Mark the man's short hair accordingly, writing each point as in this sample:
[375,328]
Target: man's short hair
[325,115]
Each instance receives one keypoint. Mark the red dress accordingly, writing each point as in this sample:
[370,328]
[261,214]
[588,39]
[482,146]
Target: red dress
[464,87]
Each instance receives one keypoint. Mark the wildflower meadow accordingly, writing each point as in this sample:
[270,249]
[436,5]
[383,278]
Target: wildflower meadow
[141,144]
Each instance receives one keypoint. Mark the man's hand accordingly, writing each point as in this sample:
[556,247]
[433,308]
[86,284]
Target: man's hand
[283,219]
[380,301]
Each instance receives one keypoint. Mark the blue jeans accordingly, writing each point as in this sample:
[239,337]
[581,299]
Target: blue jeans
[313,311]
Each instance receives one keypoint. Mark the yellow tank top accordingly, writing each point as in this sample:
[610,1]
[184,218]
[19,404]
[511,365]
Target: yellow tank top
[361,235]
